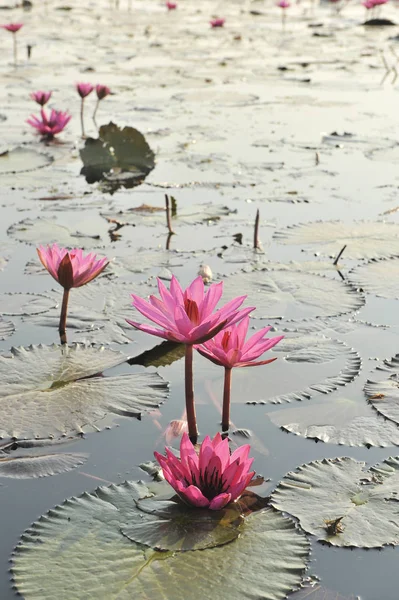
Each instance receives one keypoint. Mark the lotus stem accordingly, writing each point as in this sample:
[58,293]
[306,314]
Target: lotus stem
[82,117]
[168,216]
[14,38]
[95,112]
[189,386]
[226,399]
[256,232]
[64,310]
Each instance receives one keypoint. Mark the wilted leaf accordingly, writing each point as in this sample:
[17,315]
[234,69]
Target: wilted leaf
[341,503]
[68,554]
[281,294]
[50,391]
[363,239]
[26,467]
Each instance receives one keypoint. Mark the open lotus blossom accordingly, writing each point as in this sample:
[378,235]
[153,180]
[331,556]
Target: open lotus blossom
[71,268]
[211,479]
[229,348]
[12,27]
[49,126]
[219,22]
[188,317]
[41,97]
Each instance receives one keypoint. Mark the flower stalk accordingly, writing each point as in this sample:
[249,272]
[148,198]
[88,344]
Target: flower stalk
[189,389]
[63,317]
[226,399]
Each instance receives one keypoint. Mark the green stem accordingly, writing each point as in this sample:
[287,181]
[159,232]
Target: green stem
[189,386]
[81,117]
[63,316]
[226,399]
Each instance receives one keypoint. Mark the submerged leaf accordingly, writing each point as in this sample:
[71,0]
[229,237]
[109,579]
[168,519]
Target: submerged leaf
[343,504]
[50,391]
[77,550]
[363,239]
[26,467]
[282,294]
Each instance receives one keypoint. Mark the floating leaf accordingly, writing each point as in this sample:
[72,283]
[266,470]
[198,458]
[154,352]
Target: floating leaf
[379,277]
[168,525]
[120,156]
[7,328]
[23,159]
[161,355]
[318,592]
[383,392]
[67,554]
[278,294]
[44,231]
[339,421]
[15,303]
[3,262]
[50,391]
[363,239]
[341,503]
[26,467]
[308,364]
[153,469]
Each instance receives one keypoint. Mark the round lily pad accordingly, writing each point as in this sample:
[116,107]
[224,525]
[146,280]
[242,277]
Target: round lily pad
[379,277]
[51,391]
[342,503]
[44,231]
[292,295]
[27,467]
[78,551]
[23,159]
[383,390]
[7,328]
[364,239]
[20,304]
[341,420]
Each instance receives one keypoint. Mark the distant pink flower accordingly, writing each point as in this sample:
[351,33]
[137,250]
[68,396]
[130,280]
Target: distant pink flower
[84,89]
[379,2]
[369,4]
[12,27]
[71,268]
[229,349]
[188,316]
[171,5]
[49,126]
[217,22]
[102,91]
[41,97]
[211,479]
[283,4]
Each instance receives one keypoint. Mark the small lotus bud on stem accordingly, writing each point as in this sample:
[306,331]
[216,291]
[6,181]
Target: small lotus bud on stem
[256,232]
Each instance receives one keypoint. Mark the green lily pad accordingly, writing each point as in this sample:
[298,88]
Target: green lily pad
[27,467]
[383,391]
[362,239]
[51,391]
[78,551]
[379,277]
[342,503]
[161,355]
[121,157]
[167,525]
[282,294]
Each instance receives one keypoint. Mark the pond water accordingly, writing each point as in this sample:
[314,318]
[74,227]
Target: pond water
[248,117]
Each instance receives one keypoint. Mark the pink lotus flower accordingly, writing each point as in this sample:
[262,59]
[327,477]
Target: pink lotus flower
[41,97]
[102,91]
[212,479]
[12,27]
[70,267]
[171,5]
[188,316]
[229,349]
[49,126]
[283,4]
[217,22]
[84,89]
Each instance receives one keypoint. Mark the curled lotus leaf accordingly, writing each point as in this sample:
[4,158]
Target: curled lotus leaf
[379,277]
[55,391]
[343,421]
[281,294]
[341,503]
[27,467]
[363,239]
[383,390]
[78,551]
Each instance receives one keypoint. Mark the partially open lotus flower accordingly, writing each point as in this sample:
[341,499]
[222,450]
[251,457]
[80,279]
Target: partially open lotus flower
[171,5]
[219,22]
[102,91]
[211,479]
[49,126]
[41,97]
[84,89]
[12,27]
[71,268]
